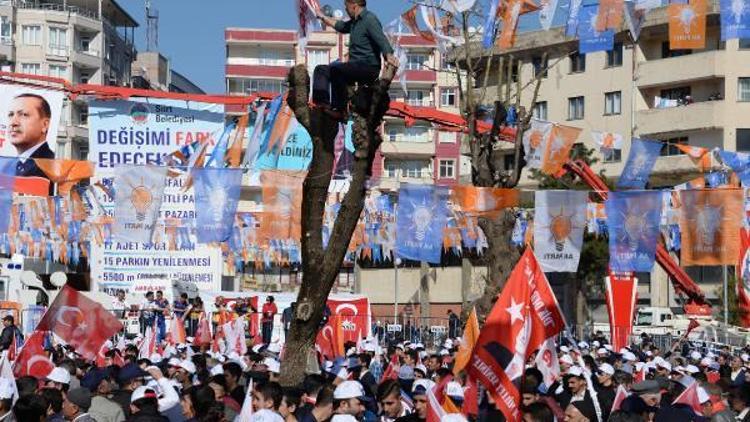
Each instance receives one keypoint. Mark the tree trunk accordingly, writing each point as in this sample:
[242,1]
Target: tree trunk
[320,265]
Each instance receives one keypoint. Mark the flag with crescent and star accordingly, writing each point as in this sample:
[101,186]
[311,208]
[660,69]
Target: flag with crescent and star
[32,360]
[525,315]
[80,322]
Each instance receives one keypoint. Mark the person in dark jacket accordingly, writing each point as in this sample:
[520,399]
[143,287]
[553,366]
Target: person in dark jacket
[144,406]
[9,331]
[129,378]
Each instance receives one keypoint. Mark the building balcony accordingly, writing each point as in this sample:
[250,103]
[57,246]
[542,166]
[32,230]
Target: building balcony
[421,77]
[256,71]
[259,36]
[697,116]
[394,183]
[88,59]
[673,70]
[257,61]
[406,149]
[6,48]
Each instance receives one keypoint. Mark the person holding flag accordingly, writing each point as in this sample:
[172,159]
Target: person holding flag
[9,334]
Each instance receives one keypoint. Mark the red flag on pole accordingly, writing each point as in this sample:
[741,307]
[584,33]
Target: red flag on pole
[80,322]
[620,397]
[32,360]
[525,315]
[622,294]
[690,398]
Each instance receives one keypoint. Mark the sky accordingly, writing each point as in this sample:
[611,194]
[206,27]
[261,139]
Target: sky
[191,32]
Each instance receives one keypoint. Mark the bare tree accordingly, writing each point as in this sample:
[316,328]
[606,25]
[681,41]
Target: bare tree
[321,265]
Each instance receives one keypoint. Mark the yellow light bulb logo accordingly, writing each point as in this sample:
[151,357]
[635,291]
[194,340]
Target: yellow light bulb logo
[141,198]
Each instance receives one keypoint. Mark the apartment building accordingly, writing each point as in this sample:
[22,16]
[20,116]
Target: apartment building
[258,60]
[635,90]
[83,41]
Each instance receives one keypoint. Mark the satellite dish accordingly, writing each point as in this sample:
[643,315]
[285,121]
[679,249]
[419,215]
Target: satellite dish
[58,279]
[29,279]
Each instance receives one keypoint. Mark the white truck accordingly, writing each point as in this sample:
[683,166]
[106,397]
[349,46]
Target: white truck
[661,320]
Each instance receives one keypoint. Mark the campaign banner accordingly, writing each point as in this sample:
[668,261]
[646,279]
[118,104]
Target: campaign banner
[633,226]
[143,132]
[535,143]
[641,160]
[138,196]
[687,25]
[571,24]
[590,38]
[622,294]
[29,120]
[710,223]
[735,19]
[217,195]
[609,15]
[559,221]
[547,13]
[420,220]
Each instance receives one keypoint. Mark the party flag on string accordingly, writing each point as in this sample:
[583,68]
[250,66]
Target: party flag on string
[641,160]
[739,162]
[571,25]
[735,19]
[253,144]
[634,18]
[535,142]
[609,15]
[235,150]
[471,334]
[559,221]
[633,224]
[483,201]
[608,142]
[687,25]
[700,156]
[138,196]
[590,38]
[559,144]
[710,222]
[510,23]
[217,193]
[282,201]
[65,173]
[490,24]
[410,20]
[421,217]
[547,13]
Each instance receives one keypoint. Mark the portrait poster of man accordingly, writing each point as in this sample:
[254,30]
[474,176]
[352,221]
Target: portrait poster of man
[29,119]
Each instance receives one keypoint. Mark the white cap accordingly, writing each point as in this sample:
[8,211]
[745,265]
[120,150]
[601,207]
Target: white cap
[608,347]
[174,362]
[368,347]
[629,356]
[703,395]
[59,375]
[602,351]
[421,367]
[343,373]
[745,357]
[348,390]
[566,359]
[648,353]
[188,366]
[575,371]
[265,415]
[419,346]
[453,417]
[706,361]
[140,393]
[692,369]
[217,370]
[665,365]
[444,352]
[412,346]
[564,349]
[583,345]
[448,343]
[695,355]
[155,358]
[623,350]
[607,369]
[424,383]
[343,418]
[256,348]
[595,344]
[351,352]
[454,389]
[7,389]
[273,365]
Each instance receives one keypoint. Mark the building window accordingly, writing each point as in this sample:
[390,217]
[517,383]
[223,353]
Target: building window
[448,97]
[31,68]
[445,64]
[744,43]
[415,61]
[743,89]
[317,57]
[390,169]
[614,56]
[615,156]
[57,71]
[250,86]
[5,30]
[509,162]
[32,34]
[612,102]
[670,147]
[415,169]
[743,140]
[418,98]
[540,110]
[58,41]
[416,134]
[447,137]
[84,77]
[575,108]
[540,66]
[667,53]
[577,62]
[447,169]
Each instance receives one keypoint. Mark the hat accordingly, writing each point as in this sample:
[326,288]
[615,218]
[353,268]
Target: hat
[273,365]
[406,373]
[421,386]
[59,375]
[266,415]
[421,368]
[444,352]
[93,378]
[695,355]
[645,387]
[188,366]
[129,372]
[575,371]
[155,358]
[583,345]
[343,418]
[143,392]
[7,389]
[664,365]
[217,370]
[564,349]
[453,417]
[706,361]
[606,368]
[692,369]
[602,351]
[174,362]
[566,359]
[80,397]
[595,344]
[348,390]
[454,389]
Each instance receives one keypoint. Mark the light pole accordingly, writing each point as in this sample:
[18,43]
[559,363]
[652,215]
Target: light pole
[396,263]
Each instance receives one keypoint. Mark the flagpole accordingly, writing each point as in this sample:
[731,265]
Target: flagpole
[726,305]
[396,263]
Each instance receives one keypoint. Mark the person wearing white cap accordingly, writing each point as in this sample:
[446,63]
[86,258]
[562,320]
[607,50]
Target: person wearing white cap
[737,375]
[566,361]
[605,387]
[663,368]
[59,378]
[348,399]
[184,375]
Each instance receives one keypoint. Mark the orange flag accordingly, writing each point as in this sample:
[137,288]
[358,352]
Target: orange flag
[282,199]
[610,15]
[280,127]
[410,20]
[235,151]
[687,25]
[710,223]
[561,140]
[66,173]
[699,155]
[471,334]
[483,201]
[510,23]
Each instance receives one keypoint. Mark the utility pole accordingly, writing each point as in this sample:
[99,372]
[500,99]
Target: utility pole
[152,27]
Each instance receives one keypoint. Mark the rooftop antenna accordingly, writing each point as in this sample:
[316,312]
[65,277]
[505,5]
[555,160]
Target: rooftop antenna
[152,27]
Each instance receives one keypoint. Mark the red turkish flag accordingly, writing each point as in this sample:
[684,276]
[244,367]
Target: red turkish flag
[743,278]
[622,294]
[525,315]
[690,398]
[80,322]
[349,321]
[620,397]
[32,360]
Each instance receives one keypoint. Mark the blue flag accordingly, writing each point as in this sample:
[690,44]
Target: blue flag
[735,19]
[641,160]
[571,26]
[740,164]
[591,40]
[633,224]
[7,177]
[420,220]
[217,192]
[490,23]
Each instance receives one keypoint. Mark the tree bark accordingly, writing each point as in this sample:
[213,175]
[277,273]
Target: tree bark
[320,265]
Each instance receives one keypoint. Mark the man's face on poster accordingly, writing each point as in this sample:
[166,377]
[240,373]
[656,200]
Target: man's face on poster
[27,124]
